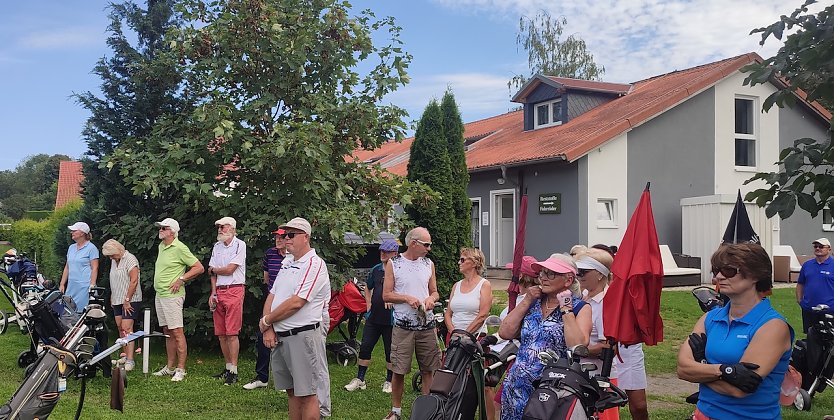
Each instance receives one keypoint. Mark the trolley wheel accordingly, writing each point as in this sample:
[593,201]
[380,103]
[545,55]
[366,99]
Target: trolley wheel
[417,382]
[26,358]
[29,369]
[347,356]
[4,322]
[802,402]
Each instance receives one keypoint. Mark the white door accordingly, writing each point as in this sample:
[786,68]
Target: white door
[502,230]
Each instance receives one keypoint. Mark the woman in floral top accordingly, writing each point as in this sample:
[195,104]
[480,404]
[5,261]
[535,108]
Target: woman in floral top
[550,316]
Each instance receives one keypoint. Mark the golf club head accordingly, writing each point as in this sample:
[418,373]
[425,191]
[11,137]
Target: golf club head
[84,348]
[89,341]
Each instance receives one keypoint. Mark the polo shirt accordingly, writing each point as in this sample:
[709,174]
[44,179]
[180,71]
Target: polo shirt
[223,255]
[307,278]
[272,265]
[597,331]
[172,262]
[818,280]
[726,343]
[78,262]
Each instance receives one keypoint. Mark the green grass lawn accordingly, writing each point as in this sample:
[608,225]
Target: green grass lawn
[200,395]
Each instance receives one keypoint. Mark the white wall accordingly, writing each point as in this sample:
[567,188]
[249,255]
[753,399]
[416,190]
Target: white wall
[607,169]
[728,179]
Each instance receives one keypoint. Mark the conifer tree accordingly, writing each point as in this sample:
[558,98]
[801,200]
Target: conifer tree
[461,206]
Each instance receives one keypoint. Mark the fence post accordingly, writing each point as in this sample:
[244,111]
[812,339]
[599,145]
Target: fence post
[146,342]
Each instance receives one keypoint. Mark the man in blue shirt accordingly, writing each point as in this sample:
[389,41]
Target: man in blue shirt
[815,284]
[271,265]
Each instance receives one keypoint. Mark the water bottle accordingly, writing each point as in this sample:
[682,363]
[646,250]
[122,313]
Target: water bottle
[212,302]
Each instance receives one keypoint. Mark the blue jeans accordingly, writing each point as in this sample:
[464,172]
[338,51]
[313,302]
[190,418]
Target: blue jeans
[262,364]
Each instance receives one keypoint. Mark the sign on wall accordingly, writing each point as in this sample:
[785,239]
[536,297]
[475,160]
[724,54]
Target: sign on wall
[550,203]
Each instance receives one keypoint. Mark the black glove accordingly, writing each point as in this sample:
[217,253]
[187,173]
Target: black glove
[741,376]
[698,344]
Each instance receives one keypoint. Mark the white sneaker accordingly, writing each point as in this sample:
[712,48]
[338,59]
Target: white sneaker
[179,374]
[257,383]
[121,360]
[386,387]
[355,384]
[165,371]
[129,365]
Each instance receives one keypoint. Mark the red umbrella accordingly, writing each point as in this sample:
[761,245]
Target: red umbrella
[518,252]
[632,303]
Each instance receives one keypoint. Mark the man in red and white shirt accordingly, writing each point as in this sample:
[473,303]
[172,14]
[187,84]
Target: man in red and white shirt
[291,319]
[227,269]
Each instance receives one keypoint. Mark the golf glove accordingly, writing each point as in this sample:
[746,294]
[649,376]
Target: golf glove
[741,376]
[698,344]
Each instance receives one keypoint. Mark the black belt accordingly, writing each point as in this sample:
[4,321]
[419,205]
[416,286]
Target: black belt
[229,286]
[298,330]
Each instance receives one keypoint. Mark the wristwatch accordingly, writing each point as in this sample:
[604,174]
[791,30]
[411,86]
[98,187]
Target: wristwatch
[565,311]
[182,279]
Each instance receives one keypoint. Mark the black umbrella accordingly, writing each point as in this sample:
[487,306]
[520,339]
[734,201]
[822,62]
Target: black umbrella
[739,230]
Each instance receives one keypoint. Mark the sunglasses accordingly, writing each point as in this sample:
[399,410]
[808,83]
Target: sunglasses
[164,228]
[819,246]
[725,271]
[425,244]
[462,260]
[583,271]
[289,235]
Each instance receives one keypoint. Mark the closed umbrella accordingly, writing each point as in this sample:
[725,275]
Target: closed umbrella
[632,303]
[739,230]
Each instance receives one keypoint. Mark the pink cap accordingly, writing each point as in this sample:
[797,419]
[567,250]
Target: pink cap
[526,266]
[555,265]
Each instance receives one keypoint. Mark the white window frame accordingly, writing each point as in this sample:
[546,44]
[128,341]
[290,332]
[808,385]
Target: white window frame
[742,136]
[549,106]
[827,227]
[612,222]
[480,222]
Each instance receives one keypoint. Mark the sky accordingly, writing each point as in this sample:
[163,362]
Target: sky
[48,49]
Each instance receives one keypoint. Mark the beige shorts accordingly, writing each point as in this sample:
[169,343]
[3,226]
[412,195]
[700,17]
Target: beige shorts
[404,343]
[169,311]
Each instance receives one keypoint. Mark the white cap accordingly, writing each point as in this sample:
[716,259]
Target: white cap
[822,241]
[226,221]
[299,223]
[169,222]
[80,226]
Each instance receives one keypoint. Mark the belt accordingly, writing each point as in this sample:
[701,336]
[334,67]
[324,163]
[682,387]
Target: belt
[229,286]
[298,330]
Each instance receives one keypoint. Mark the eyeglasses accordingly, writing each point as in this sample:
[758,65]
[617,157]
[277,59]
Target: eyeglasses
[725,271]
[462,260]
[289,235]
[164,228]
[819,246]
[550,275]
[582,272]
[425,244]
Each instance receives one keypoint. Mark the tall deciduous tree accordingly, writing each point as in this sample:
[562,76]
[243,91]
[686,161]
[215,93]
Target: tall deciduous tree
[549,54]
[806,175]
[461,206]
[281,105]
[429,164]
[32,185]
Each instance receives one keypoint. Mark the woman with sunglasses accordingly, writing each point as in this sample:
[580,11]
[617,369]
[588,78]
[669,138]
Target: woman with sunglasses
[739,353]
[551,316]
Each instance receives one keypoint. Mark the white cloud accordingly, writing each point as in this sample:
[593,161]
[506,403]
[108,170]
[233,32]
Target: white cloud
[62,38]
[635,39]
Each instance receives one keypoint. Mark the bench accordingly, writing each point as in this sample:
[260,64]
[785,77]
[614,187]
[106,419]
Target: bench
[673,275]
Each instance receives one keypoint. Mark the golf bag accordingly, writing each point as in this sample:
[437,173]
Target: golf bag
[457,387]
[40,391]
[566,389]
[812,356]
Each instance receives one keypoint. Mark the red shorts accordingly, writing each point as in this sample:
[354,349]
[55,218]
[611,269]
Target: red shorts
[228,317]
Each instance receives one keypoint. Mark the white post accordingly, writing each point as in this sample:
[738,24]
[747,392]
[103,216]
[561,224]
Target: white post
[146,342]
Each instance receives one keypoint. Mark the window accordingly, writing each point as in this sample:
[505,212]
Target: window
[475,220]
[827,223]
[549,114]
[745,132]
[606,213]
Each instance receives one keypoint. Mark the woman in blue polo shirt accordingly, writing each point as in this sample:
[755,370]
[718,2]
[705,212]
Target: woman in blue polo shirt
[739,353]
[81,269]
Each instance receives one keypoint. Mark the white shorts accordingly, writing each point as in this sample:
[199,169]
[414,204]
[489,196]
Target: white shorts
[631,372]
[169,311]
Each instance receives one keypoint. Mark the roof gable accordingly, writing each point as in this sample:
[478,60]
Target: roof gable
[565,83]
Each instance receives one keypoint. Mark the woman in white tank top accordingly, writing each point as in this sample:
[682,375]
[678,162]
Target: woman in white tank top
[471,298]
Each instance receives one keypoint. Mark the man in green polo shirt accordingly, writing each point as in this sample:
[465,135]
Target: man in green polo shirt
[175,266]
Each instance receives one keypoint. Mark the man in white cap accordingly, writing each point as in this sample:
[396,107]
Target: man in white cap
[227,269]
[292,316]
[175,266]
[815,284]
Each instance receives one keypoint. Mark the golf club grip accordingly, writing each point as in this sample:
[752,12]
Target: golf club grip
[607,355]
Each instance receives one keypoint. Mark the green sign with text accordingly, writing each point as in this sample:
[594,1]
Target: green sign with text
[550,203]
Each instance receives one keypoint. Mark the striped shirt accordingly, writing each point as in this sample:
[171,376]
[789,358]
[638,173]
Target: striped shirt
[307,278]
[272,264]
[120,279]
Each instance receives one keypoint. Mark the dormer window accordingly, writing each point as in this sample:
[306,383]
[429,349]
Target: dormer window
[549,114]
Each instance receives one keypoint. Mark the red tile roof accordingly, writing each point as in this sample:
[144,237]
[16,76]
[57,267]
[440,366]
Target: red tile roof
[592,85]
[69,182]
[508,144]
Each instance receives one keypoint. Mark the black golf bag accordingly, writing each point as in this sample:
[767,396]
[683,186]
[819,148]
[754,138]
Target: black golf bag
[40,391]
[458,387]
[812,355]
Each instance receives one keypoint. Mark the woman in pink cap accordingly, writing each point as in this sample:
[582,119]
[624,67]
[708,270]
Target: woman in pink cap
[550,316]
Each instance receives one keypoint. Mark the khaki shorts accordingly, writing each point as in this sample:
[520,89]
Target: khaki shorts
[295,363]
[404,343]
[169,311]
